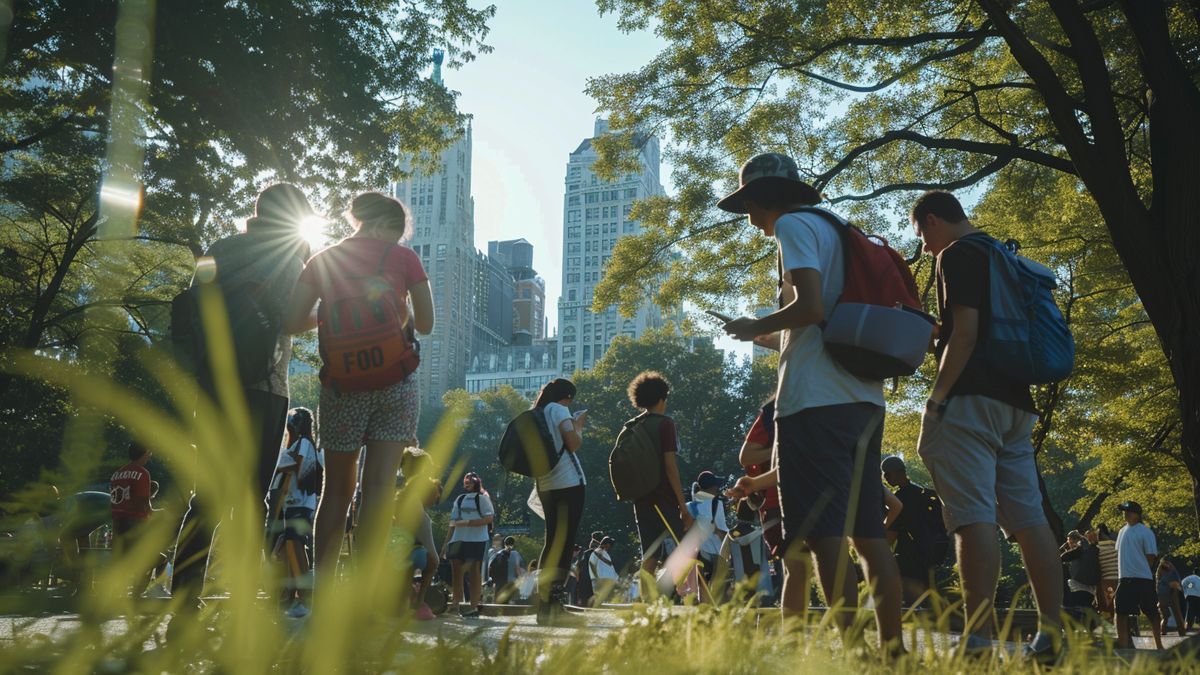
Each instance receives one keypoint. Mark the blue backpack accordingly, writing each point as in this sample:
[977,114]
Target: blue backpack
[1028,338]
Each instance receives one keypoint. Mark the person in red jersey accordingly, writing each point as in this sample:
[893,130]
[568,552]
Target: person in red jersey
[129,494]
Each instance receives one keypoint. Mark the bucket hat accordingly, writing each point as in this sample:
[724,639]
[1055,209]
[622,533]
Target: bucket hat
[771,171]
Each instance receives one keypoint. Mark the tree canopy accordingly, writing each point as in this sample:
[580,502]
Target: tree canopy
[878,100]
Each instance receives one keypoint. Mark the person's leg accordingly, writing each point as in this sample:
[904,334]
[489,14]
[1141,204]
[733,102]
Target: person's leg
[191,554]
[797,575]
[474,569]
[456,584]
[553,547]
[979,567]
[838,580]
[427,572]
[380,464]
[1040,553]
[341,479]
[1177,611]
[1123,640]
[883,578]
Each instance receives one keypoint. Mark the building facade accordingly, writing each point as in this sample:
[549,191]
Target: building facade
[595,215]
[443,234]
[525,367]
[529,293]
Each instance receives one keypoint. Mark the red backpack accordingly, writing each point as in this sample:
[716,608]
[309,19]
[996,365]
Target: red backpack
[877,330]
[364,333]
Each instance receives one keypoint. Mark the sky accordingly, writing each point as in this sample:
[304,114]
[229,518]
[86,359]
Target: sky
[530,111]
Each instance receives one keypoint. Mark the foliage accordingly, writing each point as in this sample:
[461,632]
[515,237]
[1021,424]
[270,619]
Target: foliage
[878,100]
[114,114]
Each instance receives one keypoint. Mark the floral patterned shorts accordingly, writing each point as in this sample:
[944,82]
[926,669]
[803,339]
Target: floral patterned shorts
[350,419]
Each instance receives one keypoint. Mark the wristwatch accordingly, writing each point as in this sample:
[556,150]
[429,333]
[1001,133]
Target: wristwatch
[936,407]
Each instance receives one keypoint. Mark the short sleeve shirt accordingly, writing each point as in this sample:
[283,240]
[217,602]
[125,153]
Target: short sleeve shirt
[359,256]
[471,506]
[1164,582]
[762,432]
[568,471]
[808,375]
[668,441]
[1134,543]
[710,511]
[962,280]
[310,459]
[129,492]
[274,261]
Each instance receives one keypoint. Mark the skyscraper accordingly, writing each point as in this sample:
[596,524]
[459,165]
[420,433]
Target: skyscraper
[443,234]
[595,216]
[529,294]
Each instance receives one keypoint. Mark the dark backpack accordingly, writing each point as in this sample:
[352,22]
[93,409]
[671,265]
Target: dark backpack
[1027,337]
[934,540]
[498,568]
[877,329]
[635,463]
[364,332]
[459,501]
[1085,565]
[313,481]
[253,324]
[527,447]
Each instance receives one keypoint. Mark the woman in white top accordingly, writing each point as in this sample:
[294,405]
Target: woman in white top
[465,542]
[561,492]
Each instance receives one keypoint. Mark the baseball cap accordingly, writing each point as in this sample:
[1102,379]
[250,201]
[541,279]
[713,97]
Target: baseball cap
[891,463]
[597,535]
[769,171]
[607,540]
[708,480]
[1129,505]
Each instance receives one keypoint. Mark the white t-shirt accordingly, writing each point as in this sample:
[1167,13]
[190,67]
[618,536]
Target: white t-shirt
[1191,586]
[600,568]
[808,375]
[310,459]
[1134,543]
[471,506]
[712,520]
[568,472]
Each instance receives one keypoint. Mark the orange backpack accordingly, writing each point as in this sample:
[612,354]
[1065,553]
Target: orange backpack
[365,333]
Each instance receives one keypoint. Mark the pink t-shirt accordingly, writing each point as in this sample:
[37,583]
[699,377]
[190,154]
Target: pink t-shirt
[361,256]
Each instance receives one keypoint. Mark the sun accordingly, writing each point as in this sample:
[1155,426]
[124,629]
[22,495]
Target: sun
[315,230]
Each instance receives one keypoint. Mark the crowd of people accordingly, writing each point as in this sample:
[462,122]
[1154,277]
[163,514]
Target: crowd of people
[810,488]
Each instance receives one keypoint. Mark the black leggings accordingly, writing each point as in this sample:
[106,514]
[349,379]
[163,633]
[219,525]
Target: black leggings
[563,509]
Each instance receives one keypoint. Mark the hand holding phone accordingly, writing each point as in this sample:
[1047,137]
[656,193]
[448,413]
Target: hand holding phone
[724,318]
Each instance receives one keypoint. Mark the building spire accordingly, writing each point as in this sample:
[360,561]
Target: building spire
[439,55]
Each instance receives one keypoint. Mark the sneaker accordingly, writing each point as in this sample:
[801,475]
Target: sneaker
[1041,649]
[298,611]
[472,613]
[423,613]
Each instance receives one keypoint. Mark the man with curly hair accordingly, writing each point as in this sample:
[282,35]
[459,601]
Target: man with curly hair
[661,515]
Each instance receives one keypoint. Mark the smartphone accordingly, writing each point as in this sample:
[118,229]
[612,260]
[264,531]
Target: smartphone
[717,315]
[579,412]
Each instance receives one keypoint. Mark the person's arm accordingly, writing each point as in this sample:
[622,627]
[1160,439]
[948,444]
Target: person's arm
[299,316]
[958,351]
[571,430]
[754,453]
[748,485]
[806,309]
[422,307]
[671,466]
[894,507]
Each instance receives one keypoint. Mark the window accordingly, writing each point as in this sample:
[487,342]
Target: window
[573,262]
[625,210]
[573,200]
[573,216]
[573,232]
[572,247]
[591,198]
[573,278]
[631,193]
[441,250]
[571,295]
[593,212]
[572,187]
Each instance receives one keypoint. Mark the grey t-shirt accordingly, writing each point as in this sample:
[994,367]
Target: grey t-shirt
[274,261]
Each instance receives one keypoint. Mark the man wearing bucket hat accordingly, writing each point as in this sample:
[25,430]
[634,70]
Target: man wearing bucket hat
[829,422]
[1137,558]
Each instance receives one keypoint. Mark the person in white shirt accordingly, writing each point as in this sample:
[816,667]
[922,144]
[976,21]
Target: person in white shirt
[1191,599]
[465,542]
[823,414]
[1137,558]
[604,573]
[561,493]
[707,508]
[298,473]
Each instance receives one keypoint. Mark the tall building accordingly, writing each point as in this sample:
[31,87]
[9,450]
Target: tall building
[493,305]
[529,294]
[525,367]
[595,216]
[443,234]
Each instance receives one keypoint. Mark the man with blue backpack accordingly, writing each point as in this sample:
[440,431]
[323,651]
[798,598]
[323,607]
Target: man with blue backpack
[1000,333]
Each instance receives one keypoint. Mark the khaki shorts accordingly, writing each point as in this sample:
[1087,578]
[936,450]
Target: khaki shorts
[980,457]
[348,420]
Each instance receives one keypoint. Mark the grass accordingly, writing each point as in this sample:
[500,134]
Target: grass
[359,624]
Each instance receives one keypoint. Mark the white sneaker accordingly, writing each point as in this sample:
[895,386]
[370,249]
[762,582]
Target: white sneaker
[297,611]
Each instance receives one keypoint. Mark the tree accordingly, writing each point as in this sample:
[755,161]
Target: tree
[882,98]
[158,129]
